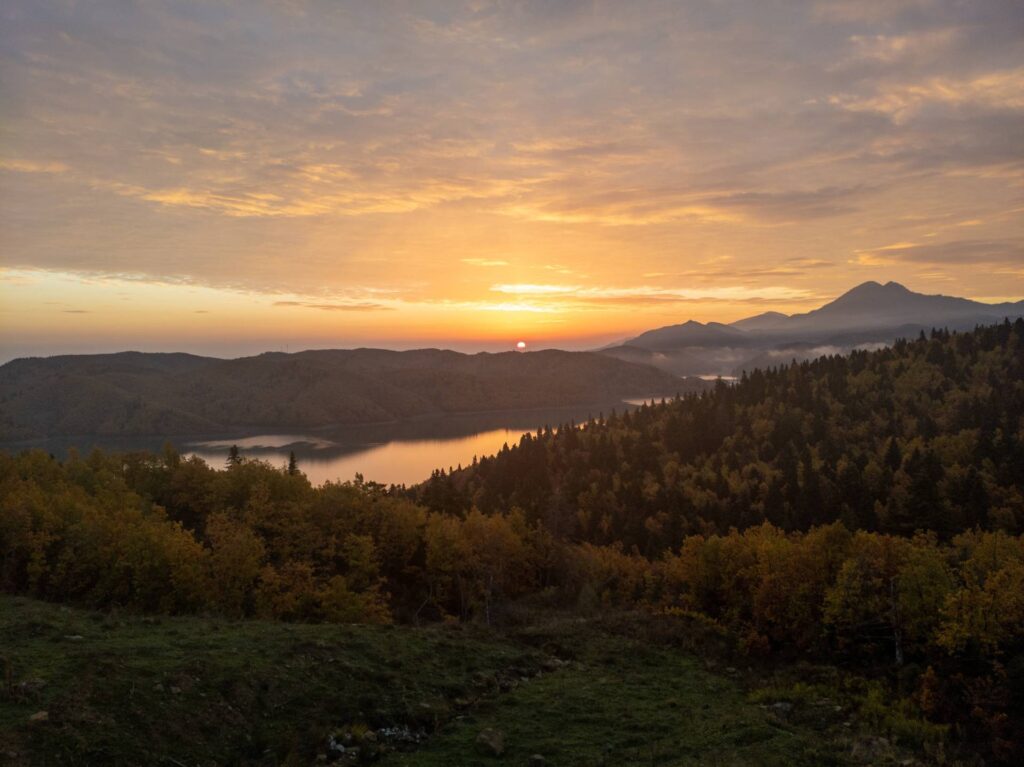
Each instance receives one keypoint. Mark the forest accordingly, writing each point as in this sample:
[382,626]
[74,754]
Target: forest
[864,510]
[923,435]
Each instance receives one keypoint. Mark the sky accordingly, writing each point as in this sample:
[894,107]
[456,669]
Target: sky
[228,177]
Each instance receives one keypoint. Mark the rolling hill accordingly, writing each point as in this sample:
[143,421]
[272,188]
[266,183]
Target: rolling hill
[135,393]
[690,333]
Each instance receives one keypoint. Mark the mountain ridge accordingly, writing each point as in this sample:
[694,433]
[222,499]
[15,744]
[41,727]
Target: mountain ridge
[136,393]
[868,314]
[865,301]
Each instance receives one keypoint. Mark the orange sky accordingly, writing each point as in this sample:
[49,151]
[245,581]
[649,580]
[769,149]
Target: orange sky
[228,177]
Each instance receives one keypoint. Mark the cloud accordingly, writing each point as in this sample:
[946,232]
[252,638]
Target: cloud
[529,289]
[889,49]
[353,306]
[955,252]
[810,263]
[998,90]
[484,262]
[32,166]
[866,11]
[511,306]
[796,205]
[647,294]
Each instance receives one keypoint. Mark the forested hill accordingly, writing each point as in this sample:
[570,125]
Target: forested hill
[167,394]
[926,434]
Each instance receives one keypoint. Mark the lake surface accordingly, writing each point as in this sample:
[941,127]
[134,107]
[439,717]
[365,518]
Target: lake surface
[401,452]
[403,461]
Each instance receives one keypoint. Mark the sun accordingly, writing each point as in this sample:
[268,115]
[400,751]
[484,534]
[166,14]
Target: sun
[521,346]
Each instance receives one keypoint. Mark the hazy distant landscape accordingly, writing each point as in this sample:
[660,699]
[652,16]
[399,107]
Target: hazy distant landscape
[183,395]
[870,315]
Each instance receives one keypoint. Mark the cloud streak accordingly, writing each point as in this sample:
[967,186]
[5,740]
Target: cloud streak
[646,294]
[356,306]
[952,252]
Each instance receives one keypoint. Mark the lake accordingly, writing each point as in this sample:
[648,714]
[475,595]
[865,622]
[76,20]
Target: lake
[400,452]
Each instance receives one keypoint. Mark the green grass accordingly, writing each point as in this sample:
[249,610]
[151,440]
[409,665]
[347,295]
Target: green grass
[628,696]
[623,704]
[195,691]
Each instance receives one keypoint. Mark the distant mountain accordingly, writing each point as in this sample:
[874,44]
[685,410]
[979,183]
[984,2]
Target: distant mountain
[134,393]
[690,333]
[763,321]
[872,305]
[868,315]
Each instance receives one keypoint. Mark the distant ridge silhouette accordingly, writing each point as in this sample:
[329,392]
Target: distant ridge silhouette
[870,313]
[134,393]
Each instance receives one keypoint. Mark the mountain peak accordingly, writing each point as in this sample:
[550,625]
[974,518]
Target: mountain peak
[871,286]
[871,292]
[763,321]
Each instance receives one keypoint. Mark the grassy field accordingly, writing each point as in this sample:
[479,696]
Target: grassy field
[623,704]
[88,688]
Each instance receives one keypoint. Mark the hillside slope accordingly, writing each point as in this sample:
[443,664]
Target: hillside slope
[89,688]
[156,394]
[926,434]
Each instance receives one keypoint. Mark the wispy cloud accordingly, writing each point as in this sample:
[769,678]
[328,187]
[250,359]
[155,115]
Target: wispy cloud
[999,90]
[530,289]
[32,166]
[954,252]
[488,262]
[354,306]
[892,49]
[647,294]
